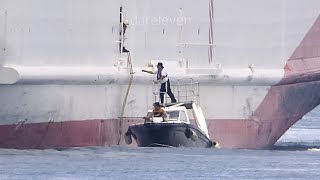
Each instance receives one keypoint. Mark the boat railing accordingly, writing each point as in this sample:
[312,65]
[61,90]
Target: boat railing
[183,89]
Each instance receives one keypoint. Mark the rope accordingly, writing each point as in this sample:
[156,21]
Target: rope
[125,98]
[211,21]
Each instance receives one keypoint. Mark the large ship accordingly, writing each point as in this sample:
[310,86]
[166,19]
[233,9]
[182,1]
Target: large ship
[69,69]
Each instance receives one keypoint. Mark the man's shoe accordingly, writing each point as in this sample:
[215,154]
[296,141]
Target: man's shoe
[124,50]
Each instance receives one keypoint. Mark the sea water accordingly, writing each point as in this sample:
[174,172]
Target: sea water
[295,156]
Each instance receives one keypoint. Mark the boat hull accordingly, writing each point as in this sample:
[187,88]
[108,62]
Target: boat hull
[168,134]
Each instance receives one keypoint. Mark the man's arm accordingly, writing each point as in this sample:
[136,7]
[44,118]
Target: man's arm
[164,116]
[148,117]
[150,72]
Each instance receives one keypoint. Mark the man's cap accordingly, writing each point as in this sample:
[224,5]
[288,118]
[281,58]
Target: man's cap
[159,64]
[156,104]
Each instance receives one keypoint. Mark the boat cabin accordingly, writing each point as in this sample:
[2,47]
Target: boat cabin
[176,131]
[178,113]
[174,115]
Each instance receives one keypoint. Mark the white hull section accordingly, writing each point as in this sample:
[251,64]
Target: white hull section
[47,93]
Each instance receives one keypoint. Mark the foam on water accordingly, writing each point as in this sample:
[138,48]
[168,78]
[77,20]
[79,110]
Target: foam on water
[314,149]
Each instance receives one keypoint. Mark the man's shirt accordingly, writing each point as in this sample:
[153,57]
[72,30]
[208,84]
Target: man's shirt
[162,73]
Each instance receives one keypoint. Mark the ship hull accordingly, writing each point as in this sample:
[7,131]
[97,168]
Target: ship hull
[64,82]
[235,133]
[60,134]
[284,104]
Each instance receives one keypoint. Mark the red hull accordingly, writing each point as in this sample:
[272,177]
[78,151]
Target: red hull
[228,133]
[60,134]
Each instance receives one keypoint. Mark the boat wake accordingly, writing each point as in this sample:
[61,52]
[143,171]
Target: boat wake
[314,149]
[297,146]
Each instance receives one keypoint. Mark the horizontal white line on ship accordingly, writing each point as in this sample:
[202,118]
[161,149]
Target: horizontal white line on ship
[112,75]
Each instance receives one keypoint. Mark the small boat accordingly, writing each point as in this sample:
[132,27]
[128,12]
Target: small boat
[177,131]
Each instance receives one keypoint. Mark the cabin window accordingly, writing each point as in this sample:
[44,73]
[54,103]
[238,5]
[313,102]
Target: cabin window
[183,116]
[172,115]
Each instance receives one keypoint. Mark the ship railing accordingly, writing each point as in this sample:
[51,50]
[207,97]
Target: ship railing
[183,89]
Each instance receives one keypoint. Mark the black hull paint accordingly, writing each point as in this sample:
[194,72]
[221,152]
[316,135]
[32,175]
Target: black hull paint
[168,134]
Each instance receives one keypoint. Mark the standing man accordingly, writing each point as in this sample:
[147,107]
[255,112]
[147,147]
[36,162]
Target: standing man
[162,77]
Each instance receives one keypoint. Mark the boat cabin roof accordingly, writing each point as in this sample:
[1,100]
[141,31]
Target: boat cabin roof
[187,104]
